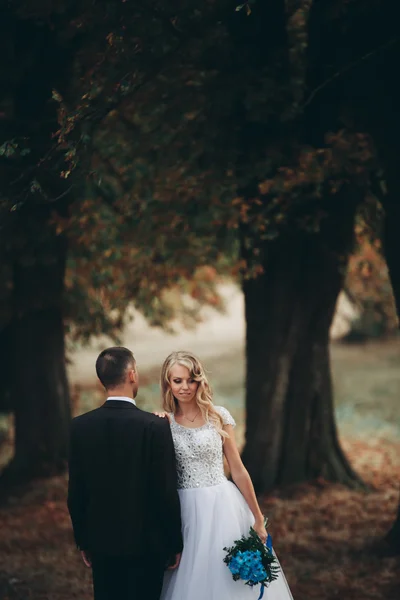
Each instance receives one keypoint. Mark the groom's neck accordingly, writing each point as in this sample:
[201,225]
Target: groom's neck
[120,391]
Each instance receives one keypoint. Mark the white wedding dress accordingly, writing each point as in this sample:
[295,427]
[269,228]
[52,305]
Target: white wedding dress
[214,515]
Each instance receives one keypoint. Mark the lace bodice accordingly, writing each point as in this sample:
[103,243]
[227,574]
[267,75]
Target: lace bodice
[199,453]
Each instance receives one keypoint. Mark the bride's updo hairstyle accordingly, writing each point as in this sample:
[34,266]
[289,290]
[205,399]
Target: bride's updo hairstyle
[203,394]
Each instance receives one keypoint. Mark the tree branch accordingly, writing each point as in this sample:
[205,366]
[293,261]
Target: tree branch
[346,69]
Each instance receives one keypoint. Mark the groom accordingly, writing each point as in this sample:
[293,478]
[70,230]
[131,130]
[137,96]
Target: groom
[122,494]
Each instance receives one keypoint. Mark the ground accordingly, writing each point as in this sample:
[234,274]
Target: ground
[329,539]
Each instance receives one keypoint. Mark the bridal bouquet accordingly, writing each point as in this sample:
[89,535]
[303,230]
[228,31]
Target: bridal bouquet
[252,561]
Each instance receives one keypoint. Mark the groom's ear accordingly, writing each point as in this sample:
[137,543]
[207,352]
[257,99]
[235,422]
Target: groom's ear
[132,375]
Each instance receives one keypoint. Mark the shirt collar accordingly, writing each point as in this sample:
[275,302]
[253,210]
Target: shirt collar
[122,399]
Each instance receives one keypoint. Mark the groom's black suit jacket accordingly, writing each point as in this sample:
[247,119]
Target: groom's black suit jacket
[122,494]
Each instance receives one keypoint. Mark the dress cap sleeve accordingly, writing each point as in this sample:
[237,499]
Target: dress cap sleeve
[226,416]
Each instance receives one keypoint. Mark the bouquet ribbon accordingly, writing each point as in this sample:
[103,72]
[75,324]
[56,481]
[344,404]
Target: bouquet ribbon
[268,544]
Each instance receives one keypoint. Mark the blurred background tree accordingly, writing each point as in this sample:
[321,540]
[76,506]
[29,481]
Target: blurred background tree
[368,284]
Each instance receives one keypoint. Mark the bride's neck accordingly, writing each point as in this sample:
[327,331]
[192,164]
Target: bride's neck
[187,409]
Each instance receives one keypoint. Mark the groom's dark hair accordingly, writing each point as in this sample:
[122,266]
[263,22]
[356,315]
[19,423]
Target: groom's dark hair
[112,364]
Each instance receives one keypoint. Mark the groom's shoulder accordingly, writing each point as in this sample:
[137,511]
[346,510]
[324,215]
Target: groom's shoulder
[151,419]
[85,417]
[155,425]
[141,417]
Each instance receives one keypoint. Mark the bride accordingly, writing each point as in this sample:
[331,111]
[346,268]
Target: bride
[215,512]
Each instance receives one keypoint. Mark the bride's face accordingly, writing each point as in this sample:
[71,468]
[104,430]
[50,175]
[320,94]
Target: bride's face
[183,387]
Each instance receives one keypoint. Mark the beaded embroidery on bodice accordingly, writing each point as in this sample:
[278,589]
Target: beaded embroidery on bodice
[199,453]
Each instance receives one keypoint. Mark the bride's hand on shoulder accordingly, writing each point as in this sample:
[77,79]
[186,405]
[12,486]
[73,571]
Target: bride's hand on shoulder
[260,530]
[163,415]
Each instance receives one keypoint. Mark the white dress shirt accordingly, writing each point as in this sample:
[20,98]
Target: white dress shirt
[122,399]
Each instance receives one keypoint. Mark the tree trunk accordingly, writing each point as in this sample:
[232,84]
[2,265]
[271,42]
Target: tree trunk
[291,434]
[40,394]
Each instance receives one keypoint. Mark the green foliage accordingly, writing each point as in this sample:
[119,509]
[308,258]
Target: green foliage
[161,137]
[117,254]
[13,148]
[113,267]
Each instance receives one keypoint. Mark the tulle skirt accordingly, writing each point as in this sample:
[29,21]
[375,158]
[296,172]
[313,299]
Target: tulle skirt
[213,518]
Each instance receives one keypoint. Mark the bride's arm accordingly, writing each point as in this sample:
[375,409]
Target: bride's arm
[243,481]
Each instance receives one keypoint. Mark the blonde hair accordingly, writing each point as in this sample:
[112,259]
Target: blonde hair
[203,394]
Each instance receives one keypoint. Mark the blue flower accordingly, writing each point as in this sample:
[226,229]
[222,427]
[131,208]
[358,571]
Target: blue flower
[258,574]
[245,573]
[248,565]
[234,567]
[236,563]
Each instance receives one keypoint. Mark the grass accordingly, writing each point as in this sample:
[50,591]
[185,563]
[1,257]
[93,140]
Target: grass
[367,390]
